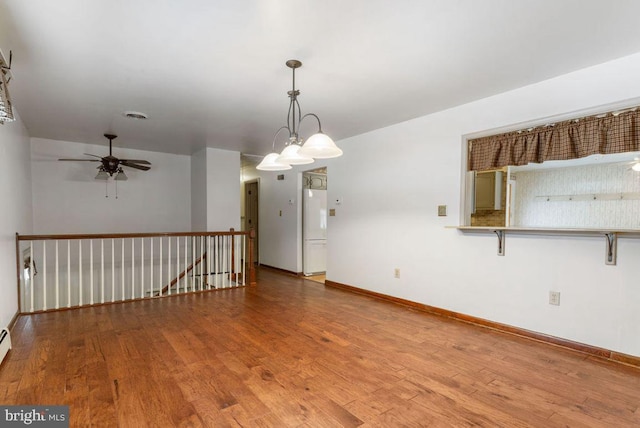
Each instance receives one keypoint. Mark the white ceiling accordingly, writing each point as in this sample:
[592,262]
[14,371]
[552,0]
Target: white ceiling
[212,72]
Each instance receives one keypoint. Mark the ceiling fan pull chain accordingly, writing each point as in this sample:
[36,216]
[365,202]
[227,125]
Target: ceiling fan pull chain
[116,188]
[106,188]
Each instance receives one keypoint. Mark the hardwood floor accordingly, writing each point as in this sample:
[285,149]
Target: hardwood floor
[293,353]
[316,278]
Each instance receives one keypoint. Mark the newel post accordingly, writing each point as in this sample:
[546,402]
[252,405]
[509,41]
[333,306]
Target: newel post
[233,255]
[252,269]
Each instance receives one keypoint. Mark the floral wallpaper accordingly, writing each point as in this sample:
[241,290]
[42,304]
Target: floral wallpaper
[564,197]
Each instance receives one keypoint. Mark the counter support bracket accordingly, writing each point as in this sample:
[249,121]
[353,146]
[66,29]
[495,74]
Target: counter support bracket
[611,254]
[501,235]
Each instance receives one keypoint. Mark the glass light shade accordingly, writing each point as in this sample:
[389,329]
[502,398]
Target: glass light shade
[121,176]
[102,175]
[320,146]
[270,163]
[636,166]
[6,112]
[290,155]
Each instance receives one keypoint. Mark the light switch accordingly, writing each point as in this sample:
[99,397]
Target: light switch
[442,210]
[332,212]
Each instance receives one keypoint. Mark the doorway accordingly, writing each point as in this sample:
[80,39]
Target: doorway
[252,198]
[314,223]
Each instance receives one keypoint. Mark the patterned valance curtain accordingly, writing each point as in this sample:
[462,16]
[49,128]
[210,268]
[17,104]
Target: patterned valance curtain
[605,134]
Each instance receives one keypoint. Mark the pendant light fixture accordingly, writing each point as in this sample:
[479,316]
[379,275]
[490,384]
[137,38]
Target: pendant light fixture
[6,110]
[318,146]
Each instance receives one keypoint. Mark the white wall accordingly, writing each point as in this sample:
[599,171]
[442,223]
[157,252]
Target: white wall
[16,215]
[391,182]
[199,191]
[223,189]
[67,198]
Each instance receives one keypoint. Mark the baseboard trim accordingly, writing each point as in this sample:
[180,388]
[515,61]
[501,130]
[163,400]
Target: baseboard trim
[280,270]
[594,351]
[13,321]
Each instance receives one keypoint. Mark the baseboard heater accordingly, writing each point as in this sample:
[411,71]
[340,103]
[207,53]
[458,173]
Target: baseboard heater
[5,343]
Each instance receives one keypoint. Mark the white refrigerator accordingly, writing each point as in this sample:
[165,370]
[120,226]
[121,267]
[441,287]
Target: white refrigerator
[314,231]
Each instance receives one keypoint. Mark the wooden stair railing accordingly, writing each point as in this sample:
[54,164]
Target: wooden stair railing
[182,274]
[76,270]
[233,275]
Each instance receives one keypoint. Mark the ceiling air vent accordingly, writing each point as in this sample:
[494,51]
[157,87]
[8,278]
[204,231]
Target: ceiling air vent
[135,115]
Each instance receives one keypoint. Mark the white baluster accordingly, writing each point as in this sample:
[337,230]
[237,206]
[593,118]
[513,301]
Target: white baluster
[122,296]
[213,240]
[57,274]
[151,271]
[219,250]
[230,260]
[142,268]
[225,262]
[80,285]
[193,263]
[177,264]
[161,264]
[31,276]
[186,276]
[68,269]
[244,258]
[113,270]
[79,276]
[44,275]
[169,267]
[217,261]
[213,262]
[91,271]
[202,262]
[236,261]
[101,270]
[133,268]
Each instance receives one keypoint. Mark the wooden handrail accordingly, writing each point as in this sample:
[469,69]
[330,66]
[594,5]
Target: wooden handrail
[124,235]
[182,274]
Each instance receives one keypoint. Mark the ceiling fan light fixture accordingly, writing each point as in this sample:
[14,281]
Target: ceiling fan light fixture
[120,175]
[270,163]
[102,174]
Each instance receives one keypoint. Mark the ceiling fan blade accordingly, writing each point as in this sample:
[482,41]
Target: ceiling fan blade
[144,162]
[133,165]
[89,154]
[81,160]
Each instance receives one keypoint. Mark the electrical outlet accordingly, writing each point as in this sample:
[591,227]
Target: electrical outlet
[554,298]
[396,273]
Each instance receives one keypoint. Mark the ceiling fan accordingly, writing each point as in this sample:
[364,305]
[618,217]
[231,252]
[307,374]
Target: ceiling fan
[111,165]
